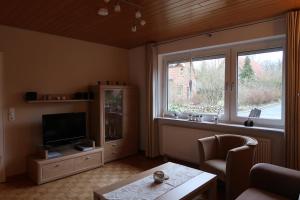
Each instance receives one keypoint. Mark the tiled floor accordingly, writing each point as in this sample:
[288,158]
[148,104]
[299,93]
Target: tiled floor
[76,187]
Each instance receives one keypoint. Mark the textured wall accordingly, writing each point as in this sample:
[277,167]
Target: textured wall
[48,64]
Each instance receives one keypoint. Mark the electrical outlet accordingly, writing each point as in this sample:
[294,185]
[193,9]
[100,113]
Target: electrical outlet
[11,114]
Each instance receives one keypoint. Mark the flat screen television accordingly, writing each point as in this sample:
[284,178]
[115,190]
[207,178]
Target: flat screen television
[63,128]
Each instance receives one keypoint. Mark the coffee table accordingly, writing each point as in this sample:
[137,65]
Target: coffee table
[189,188]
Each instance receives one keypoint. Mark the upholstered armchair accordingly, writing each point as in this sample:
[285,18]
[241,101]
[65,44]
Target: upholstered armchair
[231,158]
[269,181]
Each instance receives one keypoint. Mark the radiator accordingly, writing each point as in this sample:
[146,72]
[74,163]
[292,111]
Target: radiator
[263,151]
[181,143]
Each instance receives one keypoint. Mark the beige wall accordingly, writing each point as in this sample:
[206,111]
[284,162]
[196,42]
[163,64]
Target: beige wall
[48,64]
[137,76]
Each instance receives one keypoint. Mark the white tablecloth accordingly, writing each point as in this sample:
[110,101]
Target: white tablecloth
[146,189]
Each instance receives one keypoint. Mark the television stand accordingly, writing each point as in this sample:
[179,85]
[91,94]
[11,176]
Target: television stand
[71,161]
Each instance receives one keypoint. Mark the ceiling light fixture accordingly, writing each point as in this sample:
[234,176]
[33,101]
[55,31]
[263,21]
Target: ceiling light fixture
[143,22]
[103,12]
[117,8]
[133,28]
[138,14]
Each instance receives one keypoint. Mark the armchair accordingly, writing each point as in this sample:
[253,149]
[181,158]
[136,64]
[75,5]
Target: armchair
[272,182]
[230,157]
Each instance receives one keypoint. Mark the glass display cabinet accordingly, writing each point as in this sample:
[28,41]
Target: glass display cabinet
[114,120]
[113,108]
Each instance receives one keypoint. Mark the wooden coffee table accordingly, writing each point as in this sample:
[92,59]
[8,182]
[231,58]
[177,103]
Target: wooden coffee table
[203,182]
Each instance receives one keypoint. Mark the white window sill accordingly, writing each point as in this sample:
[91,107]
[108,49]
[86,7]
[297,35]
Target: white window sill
[220,127]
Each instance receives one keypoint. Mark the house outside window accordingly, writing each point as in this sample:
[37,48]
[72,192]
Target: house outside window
[200,88]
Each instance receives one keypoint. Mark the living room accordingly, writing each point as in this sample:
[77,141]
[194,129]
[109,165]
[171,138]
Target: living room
[53,54]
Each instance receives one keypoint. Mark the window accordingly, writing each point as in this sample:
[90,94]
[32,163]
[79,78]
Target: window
[260,83]
[178,77]
[197,86]
[180,90]
[229,81]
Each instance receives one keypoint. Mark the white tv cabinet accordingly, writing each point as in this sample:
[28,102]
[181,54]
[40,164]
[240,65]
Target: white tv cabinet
[72,162]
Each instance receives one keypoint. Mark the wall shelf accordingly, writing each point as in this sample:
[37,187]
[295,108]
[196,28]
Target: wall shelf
[60,101]
[34,97]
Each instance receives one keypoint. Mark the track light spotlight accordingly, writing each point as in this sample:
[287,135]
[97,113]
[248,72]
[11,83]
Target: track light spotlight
[117,8]
[138,14]
[103,12]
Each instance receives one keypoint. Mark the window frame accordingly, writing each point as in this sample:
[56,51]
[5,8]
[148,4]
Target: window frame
[218,52]
[230,53]
[256,47]
[173,58]
[205,54]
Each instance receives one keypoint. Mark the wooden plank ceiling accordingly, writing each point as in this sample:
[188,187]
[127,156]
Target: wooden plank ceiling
[166,19]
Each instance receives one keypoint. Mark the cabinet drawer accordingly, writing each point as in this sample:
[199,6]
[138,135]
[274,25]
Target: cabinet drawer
[57,169]
[113,150]
[119,149]
[88,161]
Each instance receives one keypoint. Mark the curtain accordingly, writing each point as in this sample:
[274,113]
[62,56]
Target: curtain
[152,144]
[292,117]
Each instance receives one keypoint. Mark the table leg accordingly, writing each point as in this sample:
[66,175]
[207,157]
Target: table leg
[212,191]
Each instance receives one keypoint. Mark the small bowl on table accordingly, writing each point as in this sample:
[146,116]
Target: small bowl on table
[159,176]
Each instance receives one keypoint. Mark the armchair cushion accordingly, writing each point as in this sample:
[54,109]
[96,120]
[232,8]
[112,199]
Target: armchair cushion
[256,194]
[216,166]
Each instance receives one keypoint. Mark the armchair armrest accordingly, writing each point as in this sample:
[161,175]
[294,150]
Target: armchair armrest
[275,179]
[238,164]
[207,148]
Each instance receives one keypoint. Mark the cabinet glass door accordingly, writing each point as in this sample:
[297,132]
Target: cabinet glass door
[113,114]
